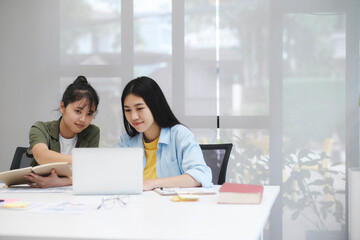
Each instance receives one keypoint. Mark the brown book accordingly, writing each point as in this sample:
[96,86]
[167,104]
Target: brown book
[240,193]
[16,176]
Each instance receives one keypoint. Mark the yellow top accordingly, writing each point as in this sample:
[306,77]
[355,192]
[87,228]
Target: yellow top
[150,156]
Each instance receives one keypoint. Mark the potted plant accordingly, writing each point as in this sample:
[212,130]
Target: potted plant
[308,180]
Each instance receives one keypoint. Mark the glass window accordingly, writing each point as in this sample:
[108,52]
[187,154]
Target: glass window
[313,125]
[90,32]
[200,58]
[244,62]
[153,42]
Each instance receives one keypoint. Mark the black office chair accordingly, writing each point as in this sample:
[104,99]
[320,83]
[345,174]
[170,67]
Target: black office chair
[217,157]
[20,159]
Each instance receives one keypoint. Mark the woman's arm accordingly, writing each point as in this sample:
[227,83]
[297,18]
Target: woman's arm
[184,180]
[190,157]
[43,155]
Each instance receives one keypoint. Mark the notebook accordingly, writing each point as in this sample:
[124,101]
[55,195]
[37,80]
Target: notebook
[107,171]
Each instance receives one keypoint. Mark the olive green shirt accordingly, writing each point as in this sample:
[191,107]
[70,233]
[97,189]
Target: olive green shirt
[48,133]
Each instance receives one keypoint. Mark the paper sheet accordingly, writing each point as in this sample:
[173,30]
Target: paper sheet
[25,188]
[65,207]
[46,207]
[175,191]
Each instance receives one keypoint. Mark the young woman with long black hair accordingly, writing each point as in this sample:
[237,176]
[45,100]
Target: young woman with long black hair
[173,158]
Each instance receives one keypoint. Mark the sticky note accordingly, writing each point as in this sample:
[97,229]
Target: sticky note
[15,205]
[185,198]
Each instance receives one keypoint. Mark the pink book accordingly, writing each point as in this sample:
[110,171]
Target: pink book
[240,193]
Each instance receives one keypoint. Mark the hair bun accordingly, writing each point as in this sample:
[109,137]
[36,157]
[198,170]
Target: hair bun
[81,80]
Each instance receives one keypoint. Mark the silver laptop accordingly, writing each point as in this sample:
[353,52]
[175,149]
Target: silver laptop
[107,171]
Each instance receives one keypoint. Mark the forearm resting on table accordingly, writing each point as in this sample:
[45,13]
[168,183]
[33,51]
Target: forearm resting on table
[43,155]
[52,180]
[184,180]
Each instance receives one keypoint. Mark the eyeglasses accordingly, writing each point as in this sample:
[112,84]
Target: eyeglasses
[109,202]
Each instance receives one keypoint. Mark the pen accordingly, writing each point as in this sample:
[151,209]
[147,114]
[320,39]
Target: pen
[6,200]
[169,188]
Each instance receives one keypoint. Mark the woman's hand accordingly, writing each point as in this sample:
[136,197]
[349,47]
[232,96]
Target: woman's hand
[148,185]
[50,181]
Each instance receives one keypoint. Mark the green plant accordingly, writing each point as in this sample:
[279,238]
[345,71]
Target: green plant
[308,177]
[248,162]
[310,185]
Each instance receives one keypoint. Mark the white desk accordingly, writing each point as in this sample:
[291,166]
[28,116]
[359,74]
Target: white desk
[146,216]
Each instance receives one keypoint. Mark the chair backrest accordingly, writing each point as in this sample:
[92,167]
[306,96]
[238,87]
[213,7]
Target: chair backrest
[217,157]
[20,159]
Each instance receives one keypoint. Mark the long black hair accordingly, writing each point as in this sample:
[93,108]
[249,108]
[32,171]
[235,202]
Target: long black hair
[78,90]
[154,98]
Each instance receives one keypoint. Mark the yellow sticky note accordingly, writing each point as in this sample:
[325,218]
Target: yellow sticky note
[15,205]
[185,198]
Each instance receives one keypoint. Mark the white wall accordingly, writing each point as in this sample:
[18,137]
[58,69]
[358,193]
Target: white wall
[29,79]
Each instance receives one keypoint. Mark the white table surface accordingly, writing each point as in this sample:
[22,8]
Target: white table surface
[146,216]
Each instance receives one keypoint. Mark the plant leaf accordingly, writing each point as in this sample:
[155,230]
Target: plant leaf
[295,215]
[323,212]
[303,153]
[305,173]
[340,191]
[330,181]
[336,164]
[339,206]
[311,163]
[326,190]
[318,182]
[315,194]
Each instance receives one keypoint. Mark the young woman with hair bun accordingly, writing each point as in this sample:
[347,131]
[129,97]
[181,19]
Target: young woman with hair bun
[53,141]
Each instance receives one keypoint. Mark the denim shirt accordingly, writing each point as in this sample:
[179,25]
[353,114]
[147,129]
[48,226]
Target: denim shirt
[177,153]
